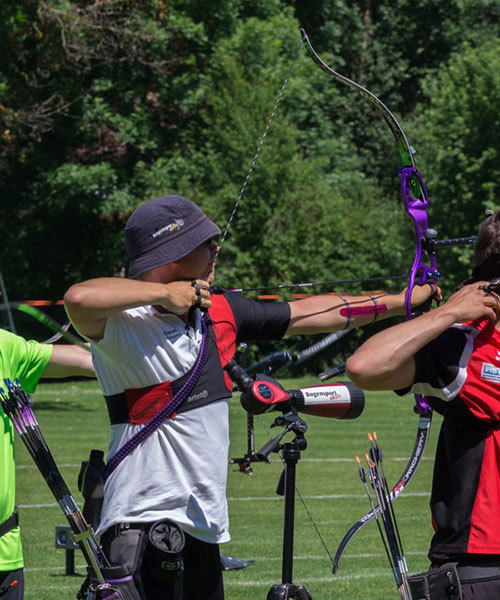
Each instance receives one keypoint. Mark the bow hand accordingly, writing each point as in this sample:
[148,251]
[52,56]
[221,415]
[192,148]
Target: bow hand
[422,297]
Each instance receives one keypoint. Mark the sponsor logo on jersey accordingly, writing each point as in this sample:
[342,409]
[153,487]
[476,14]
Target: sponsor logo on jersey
[490,373]
[199,396]
[172,335]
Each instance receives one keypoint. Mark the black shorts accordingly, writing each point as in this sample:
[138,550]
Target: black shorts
[16,591]
[483,590]
[202,576]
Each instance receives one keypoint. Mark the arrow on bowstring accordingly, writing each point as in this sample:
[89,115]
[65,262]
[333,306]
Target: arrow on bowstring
[430,245]
[317,283]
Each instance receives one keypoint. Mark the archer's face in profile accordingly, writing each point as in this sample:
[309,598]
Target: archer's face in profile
[198,264]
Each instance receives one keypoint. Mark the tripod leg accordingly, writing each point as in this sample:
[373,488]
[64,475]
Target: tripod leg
[302,593]
[284,591]
[279,592]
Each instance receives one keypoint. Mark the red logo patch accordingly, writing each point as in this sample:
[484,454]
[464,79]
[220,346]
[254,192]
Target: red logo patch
[144,403]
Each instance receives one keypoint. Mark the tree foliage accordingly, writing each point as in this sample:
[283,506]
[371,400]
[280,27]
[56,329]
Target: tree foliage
[460,127]
[104,104]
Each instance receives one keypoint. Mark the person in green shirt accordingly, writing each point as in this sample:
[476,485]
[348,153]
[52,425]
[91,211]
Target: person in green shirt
[27,361]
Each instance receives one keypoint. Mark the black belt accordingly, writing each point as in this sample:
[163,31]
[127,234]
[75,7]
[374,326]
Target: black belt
[117,409]
[117,528]
[10,523]
[469,573]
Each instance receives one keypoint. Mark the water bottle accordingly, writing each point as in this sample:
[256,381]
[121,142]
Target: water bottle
[91,485]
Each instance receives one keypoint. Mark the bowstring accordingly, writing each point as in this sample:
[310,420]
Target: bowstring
[224,236]
[259,148]
[247,179]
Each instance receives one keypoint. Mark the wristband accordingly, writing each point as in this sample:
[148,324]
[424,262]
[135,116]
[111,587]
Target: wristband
[349,312]
[376,305]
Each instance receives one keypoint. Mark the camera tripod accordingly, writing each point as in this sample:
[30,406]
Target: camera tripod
[286,487]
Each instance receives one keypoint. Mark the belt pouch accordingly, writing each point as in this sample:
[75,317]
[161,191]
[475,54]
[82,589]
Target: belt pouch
[118,585]
[437,584]
[91,485]
[163,559]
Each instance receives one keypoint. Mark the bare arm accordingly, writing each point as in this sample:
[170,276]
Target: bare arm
[91,302]
[385,361]
[69,360]
[321,314]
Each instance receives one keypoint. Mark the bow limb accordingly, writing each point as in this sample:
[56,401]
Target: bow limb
[424,424]
[424,268]
[60,331]
[405,151]
[413,191]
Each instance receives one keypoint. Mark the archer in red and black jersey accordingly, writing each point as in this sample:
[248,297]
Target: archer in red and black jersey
[459,372]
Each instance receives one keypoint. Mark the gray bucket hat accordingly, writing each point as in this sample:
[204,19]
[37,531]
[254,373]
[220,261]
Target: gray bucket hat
[164,230]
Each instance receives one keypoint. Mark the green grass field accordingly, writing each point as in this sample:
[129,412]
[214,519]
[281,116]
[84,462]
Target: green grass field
[73,419]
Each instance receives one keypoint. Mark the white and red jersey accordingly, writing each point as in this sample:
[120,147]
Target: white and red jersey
[180,470]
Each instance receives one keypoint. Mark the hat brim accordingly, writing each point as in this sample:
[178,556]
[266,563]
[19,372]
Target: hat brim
[173,250]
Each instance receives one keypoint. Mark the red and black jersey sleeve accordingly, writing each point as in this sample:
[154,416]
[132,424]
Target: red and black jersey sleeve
[441,366]
[462,363]
[258,320]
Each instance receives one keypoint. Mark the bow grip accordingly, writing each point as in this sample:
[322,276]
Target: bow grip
[415,207]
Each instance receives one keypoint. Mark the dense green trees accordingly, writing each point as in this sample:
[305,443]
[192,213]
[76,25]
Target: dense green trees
[104,104]
[459,128]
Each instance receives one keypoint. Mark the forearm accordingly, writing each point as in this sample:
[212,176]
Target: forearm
[385,361]
[105,296]
[69,361]
[325,313]
[91,302]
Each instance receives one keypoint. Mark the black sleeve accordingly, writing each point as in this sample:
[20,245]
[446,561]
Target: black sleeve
[258,320]
[441,365]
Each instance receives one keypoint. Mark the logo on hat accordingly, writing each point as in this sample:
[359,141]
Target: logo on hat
[177,224]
